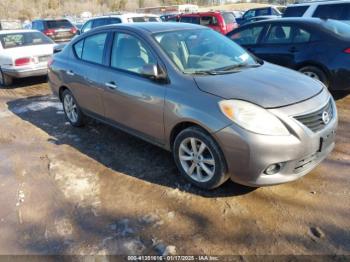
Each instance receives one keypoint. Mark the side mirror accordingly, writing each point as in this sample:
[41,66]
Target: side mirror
[152,71]
[78,32]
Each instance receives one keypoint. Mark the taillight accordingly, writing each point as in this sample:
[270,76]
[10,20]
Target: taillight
[49,32]
[73,30]
[347,50]
[23,61]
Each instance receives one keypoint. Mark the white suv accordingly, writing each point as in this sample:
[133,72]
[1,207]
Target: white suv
[338,10]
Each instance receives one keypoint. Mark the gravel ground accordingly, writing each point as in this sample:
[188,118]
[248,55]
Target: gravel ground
[97,190]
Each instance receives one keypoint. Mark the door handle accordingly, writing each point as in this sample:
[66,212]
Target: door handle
[70,72]
[111,85]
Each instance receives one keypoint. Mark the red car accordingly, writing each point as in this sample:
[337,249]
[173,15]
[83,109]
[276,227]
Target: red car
[222,22]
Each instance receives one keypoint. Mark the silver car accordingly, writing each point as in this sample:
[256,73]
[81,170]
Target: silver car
[221,112]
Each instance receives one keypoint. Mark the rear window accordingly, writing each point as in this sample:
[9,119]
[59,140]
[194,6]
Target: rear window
[339,28]
[229,18]
[333,11]
[295,11]
[23,39]
[138,19]
[58,24]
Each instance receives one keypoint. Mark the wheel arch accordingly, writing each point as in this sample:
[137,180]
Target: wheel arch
[61,90]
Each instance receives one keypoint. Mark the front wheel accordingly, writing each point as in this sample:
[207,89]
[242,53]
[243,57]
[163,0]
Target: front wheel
[315,73]
[199,158]
[71,109]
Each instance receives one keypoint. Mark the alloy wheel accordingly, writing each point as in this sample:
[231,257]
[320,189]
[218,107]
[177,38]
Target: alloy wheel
[70,108]
[196,159]
[311,74]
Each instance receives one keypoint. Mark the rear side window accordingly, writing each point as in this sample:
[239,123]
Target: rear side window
[301,36]
[333,11]
[190,19]
[58,24]
[91,48]
[99,22]
[229,18]
[248,36]
[114,20]
[295,11]
[208,20]
[279,34]
[260,12]
[138,19]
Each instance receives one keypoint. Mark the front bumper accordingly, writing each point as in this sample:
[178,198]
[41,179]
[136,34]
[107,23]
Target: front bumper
[248,155]
[26,71]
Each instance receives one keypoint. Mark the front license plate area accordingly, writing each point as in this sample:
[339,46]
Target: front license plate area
[326,140]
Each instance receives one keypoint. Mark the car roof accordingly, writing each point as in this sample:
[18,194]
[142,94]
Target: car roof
[320,2]
[153,27]
[3,32]
[309,20]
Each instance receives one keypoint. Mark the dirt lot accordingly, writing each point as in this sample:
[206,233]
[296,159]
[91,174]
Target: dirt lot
[97,190]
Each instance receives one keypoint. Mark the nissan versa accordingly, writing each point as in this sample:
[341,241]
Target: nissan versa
[222,112]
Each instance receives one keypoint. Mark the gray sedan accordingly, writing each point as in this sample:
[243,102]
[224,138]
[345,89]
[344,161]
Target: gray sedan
[221,112]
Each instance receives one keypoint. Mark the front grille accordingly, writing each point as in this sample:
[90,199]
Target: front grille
[314,120]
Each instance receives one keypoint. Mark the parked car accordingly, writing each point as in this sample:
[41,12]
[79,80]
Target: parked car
[222,22]
[315,47]
[338,10]
[59,30]
[269,11]
[190,90]
[10,24]
[165,18]
[117,19]
[23,53]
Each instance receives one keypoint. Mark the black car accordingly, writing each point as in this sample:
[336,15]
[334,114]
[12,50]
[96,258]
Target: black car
[257,12]
[59,30]
[315,47]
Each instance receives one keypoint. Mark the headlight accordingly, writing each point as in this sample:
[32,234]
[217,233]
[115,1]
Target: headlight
[253,118]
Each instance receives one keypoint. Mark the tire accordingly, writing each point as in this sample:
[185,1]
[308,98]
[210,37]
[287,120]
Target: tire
[5,80]
[315,73]
[71,109]
[201,178]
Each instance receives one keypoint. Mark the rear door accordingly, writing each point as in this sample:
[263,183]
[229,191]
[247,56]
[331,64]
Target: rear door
[86,73]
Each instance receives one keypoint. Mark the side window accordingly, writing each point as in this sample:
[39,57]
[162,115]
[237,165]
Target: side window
[279,35]
[87,27]
[208,20]
[301,36]
[114,20]
[248,36]
[249,14]
[38,25]
[78,48]
[333,11]
[260,12]
[34,25]
[130,54]
[93,48]
[99,22]
[295,11]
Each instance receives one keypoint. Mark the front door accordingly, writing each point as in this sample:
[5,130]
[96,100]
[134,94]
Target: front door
[130,99]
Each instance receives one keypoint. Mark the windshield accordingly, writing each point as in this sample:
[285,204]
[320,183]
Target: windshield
[203,51]
[341,29]
[24,39]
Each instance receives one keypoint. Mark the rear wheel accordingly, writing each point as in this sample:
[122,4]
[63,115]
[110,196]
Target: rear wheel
[71,109]
[5,80]
[199,158]
[315,73]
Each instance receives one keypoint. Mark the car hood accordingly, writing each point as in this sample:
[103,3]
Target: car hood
[269,86]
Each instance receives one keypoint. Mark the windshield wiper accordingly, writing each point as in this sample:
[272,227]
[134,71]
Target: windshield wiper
[204,72]
[235,67]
